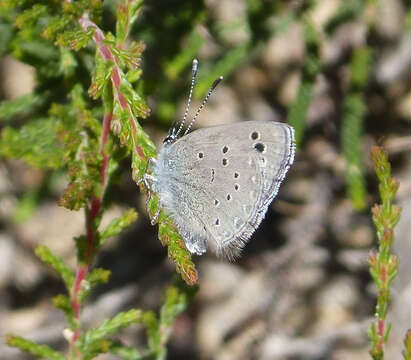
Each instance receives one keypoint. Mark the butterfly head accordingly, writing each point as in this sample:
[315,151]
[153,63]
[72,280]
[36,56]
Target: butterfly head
[171,137]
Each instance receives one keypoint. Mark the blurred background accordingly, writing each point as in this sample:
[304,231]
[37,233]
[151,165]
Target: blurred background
[340,73]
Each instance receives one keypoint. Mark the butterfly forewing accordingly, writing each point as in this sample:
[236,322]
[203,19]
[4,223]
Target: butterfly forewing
[223,180]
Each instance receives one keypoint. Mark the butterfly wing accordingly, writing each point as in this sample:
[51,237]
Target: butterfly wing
[222,180]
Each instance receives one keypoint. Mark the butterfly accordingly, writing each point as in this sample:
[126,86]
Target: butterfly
[216,183]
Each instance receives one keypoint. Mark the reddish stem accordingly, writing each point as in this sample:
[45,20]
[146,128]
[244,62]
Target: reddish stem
[116,74]
[104,137]
[380,331]
[92,213]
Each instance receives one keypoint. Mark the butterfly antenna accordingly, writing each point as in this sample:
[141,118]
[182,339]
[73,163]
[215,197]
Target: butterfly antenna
[213,86]
[190,95]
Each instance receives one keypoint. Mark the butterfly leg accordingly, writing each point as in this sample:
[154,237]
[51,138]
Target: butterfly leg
[152,179]
[148,181]
[144,179]
[155,217]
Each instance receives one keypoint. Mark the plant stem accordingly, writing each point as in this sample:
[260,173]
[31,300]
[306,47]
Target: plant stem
[94,209]
[116,75]
[92,213]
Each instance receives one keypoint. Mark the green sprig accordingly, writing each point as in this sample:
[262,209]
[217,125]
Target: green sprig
[94,342]
[116,226]
[383,264]
[177,297]
[45,254]
[42,351]
[354,112]
[75,39]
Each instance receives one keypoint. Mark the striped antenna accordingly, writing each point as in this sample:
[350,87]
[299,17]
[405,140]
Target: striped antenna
[213,86]
[190,96]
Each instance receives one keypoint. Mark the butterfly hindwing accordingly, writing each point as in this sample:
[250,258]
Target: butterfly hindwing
[223,178]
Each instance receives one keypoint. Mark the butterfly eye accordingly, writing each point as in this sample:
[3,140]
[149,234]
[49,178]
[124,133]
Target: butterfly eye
[171,137]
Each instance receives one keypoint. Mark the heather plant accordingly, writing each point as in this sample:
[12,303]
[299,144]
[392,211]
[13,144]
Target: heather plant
[87,129]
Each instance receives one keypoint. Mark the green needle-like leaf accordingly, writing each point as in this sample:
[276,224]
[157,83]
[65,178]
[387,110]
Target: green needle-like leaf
[116,226]
[45,254]
[42,351]
[94,340]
